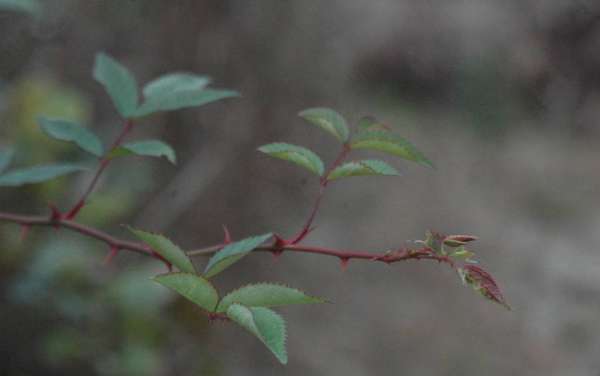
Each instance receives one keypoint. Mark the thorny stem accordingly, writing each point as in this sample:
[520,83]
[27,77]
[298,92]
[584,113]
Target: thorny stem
[322,186]
[103,164]
[119,244]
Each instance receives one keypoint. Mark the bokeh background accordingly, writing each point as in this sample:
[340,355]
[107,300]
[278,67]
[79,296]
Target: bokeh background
[504,96]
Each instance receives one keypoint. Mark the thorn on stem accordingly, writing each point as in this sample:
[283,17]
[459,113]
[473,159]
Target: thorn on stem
[55,215]
[227,238]
[24,231]
[344,263]
[114,251]
[276,255]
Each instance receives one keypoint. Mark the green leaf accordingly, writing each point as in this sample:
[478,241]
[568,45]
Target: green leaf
[37,174]
[295,154]
[266,295]
[179,99]
[191,286]
[389,143]
[362,168]
[232,253]
[371,124]
[148,148]
[265,324]
[118,83]
[329,120]
[6,156]
[165,247]
[169,83]
[67,131]
[32,7]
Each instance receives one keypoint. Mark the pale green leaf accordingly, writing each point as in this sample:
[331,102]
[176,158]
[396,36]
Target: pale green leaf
[179,99]
[32,7]
[118,83]
[362,168]
[329,120]
[265,324]
[6,156]
[232,253]
[68,131]
[266,295]
[147,148]
[295,154]
[191,286]
[171,82]
[389,143]
[166,248]
[37,174]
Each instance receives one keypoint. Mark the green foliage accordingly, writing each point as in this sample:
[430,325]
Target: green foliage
[166,248]
[295,154]
[37,174]
[118,82]
[193,287]
[232,253]
[32,7]
[329,120]
[68,131]
[147,148]
[389,143]
[6,156]
[265,324]
[362,168]
[179,99]
[266,295]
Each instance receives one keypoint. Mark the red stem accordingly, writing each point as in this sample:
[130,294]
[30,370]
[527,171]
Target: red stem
[104,162]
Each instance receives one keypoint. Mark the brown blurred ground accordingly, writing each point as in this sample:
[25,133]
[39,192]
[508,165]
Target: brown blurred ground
[503,97]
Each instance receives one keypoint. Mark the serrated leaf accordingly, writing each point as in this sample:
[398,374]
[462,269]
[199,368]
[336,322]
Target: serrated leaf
[265,324]
[64,130]
[179,99]
[166,248]
[6,156]
[232,253]
[362,168]
[295,154]
[147,148]
[118,82]
[165,85]
[266,295]
[32,7]
[191,286]
[328,120]
[37,174]
[389,143]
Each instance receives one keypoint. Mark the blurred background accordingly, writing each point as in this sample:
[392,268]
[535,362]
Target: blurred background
[503,96]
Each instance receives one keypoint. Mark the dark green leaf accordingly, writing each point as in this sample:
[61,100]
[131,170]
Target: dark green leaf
[6,156]
[148,148]
[37,174]
[329,120]
[295,154]
[266,295]
[118,83]
[389,143]
[265,324]
[193,287]
[362,168]
[67,131]
[232,253]
[169,83]
[165,247]
[179,99]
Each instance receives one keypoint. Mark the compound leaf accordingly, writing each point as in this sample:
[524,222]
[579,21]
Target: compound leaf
[191,286]
[362,168]
[328,120]
[166,248]
[232,253]
[37,174]
[118,83]
[295,154]
[265,324]
[266,295]
[147,148]
[389,143]
[68,131]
